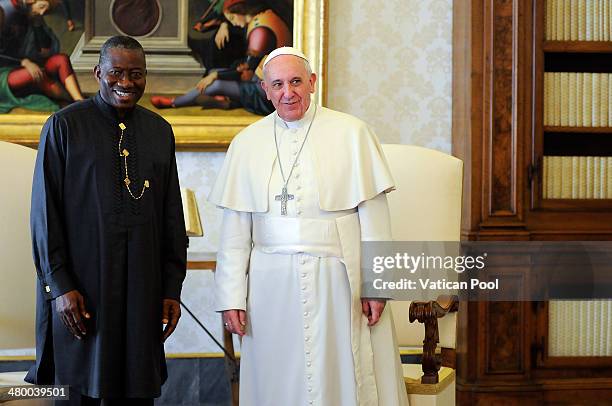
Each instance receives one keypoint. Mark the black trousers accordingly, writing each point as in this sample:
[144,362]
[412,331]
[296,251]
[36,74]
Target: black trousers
[77,399]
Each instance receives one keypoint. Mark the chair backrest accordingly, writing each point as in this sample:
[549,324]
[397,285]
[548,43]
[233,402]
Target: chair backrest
[17,272]
[426,206]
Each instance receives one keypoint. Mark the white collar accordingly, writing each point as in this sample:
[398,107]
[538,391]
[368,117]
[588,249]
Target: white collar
[304,121]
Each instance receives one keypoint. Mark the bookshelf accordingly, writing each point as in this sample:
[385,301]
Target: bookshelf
[573,126]
[525,109]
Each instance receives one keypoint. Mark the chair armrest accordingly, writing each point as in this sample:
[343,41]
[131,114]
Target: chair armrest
[428,314]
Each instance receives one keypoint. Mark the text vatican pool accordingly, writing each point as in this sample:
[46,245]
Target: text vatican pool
[435,284]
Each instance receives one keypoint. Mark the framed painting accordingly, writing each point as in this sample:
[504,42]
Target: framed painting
[184,41]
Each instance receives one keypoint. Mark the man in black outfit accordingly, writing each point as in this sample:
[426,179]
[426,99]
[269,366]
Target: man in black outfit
[109,240]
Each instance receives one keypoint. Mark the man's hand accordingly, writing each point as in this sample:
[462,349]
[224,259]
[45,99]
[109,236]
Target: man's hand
[171,313]
[206,81]
[235,321]
[222,35]
[33,69]
[372,309]
[71,309]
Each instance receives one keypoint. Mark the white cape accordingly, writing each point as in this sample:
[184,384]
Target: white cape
[344,147]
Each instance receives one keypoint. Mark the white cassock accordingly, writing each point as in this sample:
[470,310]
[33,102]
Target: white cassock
[307,341]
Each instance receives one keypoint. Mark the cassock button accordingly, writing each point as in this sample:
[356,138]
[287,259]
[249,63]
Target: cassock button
[303,287]
[304,301]
[308,352]
[306,314]
[306,328]
[303,274]
[298,187]
[307,339]
[302,261]
[47,289]
[297,175]
[299,212]
[309,377]
[308,364]
[310,389]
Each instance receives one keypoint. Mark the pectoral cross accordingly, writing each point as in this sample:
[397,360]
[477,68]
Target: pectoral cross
[283,197]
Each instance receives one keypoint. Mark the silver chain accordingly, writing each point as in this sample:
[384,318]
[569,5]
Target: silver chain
[280,165]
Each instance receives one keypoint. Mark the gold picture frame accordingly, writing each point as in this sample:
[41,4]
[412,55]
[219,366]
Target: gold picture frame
[209,132]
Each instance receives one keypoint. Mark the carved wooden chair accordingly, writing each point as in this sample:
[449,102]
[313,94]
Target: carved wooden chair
[17,272]
[426,206]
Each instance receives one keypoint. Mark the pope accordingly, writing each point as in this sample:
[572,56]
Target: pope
[300,190]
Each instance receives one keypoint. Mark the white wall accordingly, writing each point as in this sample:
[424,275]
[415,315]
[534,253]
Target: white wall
[390,64]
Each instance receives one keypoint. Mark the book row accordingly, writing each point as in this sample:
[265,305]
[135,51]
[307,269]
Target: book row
[577,177]
[578,20]
[577,99]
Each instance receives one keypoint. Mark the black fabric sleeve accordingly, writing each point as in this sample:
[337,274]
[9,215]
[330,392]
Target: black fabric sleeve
[6,60]
[47,215]
[66,9]
[253,61]
[232,74]
[229,74]
[174,246]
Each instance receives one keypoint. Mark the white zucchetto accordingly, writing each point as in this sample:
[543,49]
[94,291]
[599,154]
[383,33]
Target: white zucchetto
[285,51]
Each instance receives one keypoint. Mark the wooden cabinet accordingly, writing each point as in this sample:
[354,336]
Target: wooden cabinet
[503,132]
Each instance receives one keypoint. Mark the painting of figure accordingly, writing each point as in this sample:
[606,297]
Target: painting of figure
[228,39]
[34,72]
[202,59]
[237,35]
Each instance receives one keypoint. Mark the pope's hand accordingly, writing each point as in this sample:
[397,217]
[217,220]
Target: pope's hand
[372,309]
[235,321]
[70,308]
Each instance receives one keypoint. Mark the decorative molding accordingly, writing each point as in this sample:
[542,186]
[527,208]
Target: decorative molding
[209,133]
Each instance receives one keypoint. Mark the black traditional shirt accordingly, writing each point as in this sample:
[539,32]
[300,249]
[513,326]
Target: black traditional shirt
[124,255]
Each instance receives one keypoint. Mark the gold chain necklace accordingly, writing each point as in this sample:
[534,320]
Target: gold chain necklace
[124,154]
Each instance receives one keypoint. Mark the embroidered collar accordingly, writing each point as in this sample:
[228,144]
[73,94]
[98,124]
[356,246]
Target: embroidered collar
[110,112]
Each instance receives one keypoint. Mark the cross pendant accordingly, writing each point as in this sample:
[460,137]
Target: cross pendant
[283,197]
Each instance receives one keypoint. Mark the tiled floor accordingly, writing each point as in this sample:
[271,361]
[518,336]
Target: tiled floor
[191,381]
